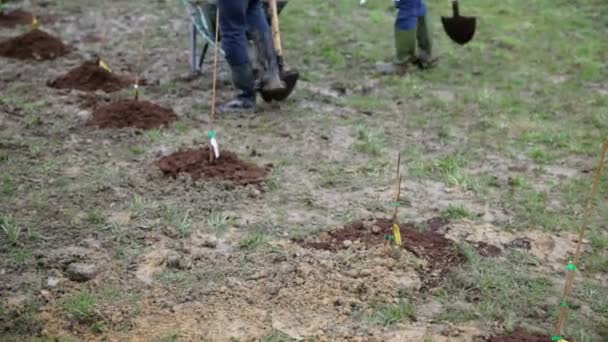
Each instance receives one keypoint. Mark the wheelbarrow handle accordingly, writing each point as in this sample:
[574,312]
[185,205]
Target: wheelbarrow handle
[276,33]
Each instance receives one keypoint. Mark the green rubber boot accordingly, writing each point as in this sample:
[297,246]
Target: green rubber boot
[405,46]
[425,59]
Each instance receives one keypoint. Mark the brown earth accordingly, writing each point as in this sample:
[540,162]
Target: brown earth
[35,44]
[15,18]
[89,76]
[130,113]
[440,253]
[520,336]
[228,166]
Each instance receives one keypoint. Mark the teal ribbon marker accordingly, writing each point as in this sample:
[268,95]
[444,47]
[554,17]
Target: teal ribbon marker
[564,304]
[214,144]
[395,204]
[556,338]
[571,267]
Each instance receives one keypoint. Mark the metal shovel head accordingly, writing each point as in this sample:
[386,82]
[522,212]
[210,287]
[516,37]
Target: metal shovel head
[460,29]
[290,77]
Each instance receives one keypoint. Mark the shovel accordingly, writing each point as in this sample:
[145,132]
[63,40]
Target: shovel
[460,29]
[290,77]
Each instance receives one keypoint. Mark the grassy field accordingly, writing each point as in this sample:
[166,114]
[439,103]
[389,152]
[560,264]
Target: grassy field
[501,139]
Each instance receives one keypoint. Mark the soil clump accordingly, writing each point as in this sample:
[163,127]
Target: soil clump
[441,254]
[228,166]
[15,18]
[89,76]
[35,44]
[131,113]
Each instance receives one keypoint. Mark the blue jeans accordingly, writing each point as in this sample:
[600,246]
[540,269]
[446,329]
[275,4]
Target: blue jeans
[409,12]
[236,18]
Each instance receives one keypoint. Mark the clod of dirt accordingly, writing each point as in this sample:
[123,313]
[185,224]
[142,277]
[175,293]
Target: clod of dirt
[89,76]
[520,336]
[35,44]
[130,113]
[487,250]
[228,166]
[15,18]
[440,253]
[81,272]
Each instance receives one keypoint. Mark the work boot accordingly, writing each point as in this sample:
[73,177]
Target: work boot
[244,101]
[425,59]
[405,46]
[270,78]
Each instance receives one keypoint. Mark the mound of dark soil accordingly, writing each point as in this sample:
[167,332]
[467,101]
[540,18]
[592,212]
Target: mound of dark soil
[228,166]
[520,336]
[89,76]
[35,44]
[130,113]
[15,18]
[440,253]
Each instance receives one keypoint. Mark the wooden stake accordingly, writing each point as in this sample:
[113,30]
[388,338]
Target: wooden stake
[572,265]
[139,63]
[34,24]
[396,229]
[214,91]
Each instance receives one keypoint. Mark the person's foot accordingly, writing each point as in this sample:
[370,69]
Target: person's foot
[237,105]
[426,60]
[393,68]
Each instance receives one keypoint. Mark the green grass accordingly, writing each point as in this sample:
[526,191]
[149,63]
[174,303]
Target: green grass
[277,336]
[387,314]
[81,306]
[218,222]
[505,291]
[10,228]
[253,240]
[456,212]
[369,142]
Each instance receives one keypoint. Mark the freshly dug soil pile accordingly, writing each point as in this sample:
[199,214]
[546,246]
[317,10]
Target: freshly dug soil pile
[130,113]
[228,166]
[488,250]
[440,253]
[15,18]
[35,44]
[520,336]
[89,76]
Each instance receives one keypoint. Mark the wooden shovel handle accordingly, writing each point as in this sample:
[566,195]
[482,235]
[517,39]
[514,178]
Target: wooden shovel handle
[276,33]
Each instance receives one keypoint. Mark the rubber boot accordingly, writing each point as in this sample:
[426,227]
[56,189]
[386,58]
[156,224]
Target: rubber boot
[244,101]
[405,46]
[271,79]
[425,59]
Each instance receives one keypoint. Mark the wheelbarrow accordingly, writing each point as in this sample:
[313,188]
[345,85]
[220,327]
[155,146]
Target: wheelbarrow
[202,13]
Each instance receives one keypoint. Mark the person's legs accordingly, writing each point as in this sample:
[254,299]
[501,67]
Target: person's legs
[257,25]
[425,44]
[405,39]
[233,27]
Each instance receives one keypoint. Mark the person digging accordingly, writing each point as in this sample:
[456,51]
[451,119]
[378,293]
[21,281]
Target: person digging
[238,18]
[411,32]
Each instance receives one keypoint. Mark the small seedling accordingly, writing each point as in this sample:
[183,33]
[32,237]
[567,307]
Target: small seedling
[34,24]
[139,64]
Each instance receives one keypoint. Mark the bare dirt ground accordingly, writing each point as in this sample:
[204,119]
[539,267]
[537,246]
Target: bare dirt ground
[99,245]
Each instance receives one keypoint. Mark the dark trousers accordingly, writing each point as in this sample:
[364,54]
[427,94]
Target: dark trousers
[236,18]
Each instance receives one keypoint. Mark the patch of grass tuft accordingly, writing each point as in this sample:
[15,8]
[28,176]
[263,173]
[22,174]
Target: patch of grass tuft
[369,142]
[385,314]
[10,228]
[81,306]
[453,212]
[253,241]
[219,221]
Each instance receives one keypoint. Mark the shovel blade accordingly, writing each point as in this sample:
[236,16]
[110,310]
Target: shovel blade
[290,77]
[460,29]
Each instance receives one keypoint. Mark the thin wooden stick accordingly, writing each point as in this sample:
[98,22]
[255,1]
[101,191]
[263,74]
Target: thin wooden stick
[138,67]
[34,24]
[214,91]
[572,265]
[396,229]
